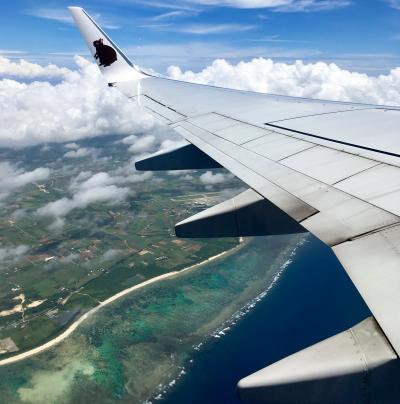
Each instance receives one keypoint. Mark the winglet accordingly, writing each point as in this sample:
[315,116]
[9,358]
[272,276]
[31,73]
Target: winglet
[112,62]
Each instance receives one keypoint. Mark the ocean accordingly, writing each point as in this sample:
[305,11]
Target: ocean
[313,299]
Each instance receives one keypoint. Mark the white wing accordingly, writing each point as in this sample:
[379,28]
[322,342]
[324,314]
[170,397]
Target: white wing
[331,168]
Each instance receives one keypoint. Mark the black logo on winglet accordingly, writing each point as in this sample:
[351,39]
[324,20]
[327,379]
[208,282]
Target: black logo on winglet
[106,54]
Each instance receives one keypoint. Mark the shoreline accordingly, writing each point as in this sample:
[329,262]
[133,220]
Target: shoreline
[70,329]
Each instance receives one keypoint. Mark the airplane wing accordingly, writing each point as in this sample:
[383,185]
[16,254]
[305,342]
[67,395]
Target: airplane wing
[330,168]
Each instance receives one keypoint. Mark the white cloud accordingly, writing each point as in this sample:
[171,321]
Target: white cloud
[12,178]
[84,198]
[82,152]
[70,258]
[394,4]
[111,254]
[129,139]
[27,70]
[315,80]
[12,253]
[62,15]
[210,178]
[72,146]
[56,14]
[169,15]
[88,188]
[207,29]
[57,226]
[143,144]
[80,106]
[275,5]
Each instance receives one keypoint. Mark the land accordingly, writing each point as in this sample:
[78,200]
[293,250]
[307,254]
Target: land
[101,251]
[7,345]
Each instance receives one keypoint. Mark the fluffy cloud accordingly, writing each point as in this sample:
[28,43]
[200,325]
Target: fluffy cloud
[111,254]
[83,199]
[209,178]
[72,146]
[79,106]
[26,70]
[82,152]
[143,144]
[12,178]
[12,253]
[88,188]
[82,106]
[315,80]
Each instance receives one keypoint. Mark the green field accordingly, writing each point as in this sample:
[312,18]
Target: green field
[102,248]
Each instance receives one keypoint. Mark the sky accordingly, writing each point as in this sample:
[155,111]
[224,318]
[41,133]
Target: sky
[358,35]
[51,91]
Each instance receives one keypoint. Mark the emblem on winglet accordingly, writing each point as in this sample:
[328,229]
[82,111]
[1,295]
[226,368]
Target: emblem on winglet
[106,54]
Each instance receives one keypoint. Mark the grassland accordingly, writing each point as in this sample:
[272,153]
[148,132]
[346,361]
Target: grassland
[101,250]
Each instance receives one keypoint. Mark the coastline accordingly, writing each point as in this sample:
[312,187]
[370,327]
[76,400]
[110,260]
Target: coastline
[65,334]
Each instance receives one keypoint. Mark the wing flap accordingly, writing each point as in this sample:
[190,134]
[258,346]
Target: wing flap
[331,214]
[355,366]
[247,214]
[373,264]
[293,206]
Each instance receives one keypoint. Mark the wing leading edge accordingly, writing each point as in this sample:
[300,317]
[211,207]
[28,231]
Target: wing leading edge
[332,168]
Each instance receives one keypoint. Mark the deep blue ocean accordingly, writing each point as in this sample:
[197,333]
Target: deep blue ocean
[313,300]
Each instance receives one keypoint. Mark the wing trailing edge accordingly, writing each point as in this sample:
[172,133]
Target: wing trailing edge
[355,366]
[186,157]
[247,214]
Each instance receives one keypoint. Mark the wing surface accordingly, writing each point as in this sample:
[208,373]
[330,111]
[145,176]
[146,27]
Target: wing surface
[333,167]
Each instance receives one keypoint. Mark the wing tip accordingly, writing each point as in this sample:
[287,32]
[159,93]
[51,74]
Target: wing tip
[73,8]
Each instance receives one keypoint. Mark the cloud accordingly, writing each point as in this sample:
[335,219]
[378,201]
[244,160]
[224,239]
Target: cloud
[88,188]
[394,4]
[12,253]
[70,258]
[62,15]
[315,80]
[129,139]
[80,106]
[27,70]
[171,14]
[111,254]
[82,152]
[12,178]
[57,226]
[275,5]
[72,146]
[83,198]
[210,178]
[143,144]
[207,29]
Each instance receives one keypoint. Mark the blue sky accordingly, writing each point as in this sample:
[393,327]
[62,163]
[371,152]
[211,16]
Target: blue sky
[360,35]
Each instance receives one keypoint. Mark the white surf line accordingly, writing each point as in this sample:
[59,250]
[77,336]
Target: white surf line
[77,323]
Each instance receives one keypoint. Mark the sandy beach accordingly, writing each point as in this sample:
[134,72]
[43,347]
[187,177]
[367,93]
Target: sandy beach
[80,320]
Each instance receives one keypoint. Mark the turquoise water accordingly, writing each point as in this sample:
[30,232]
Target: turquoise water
[313,299]
[143,346]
